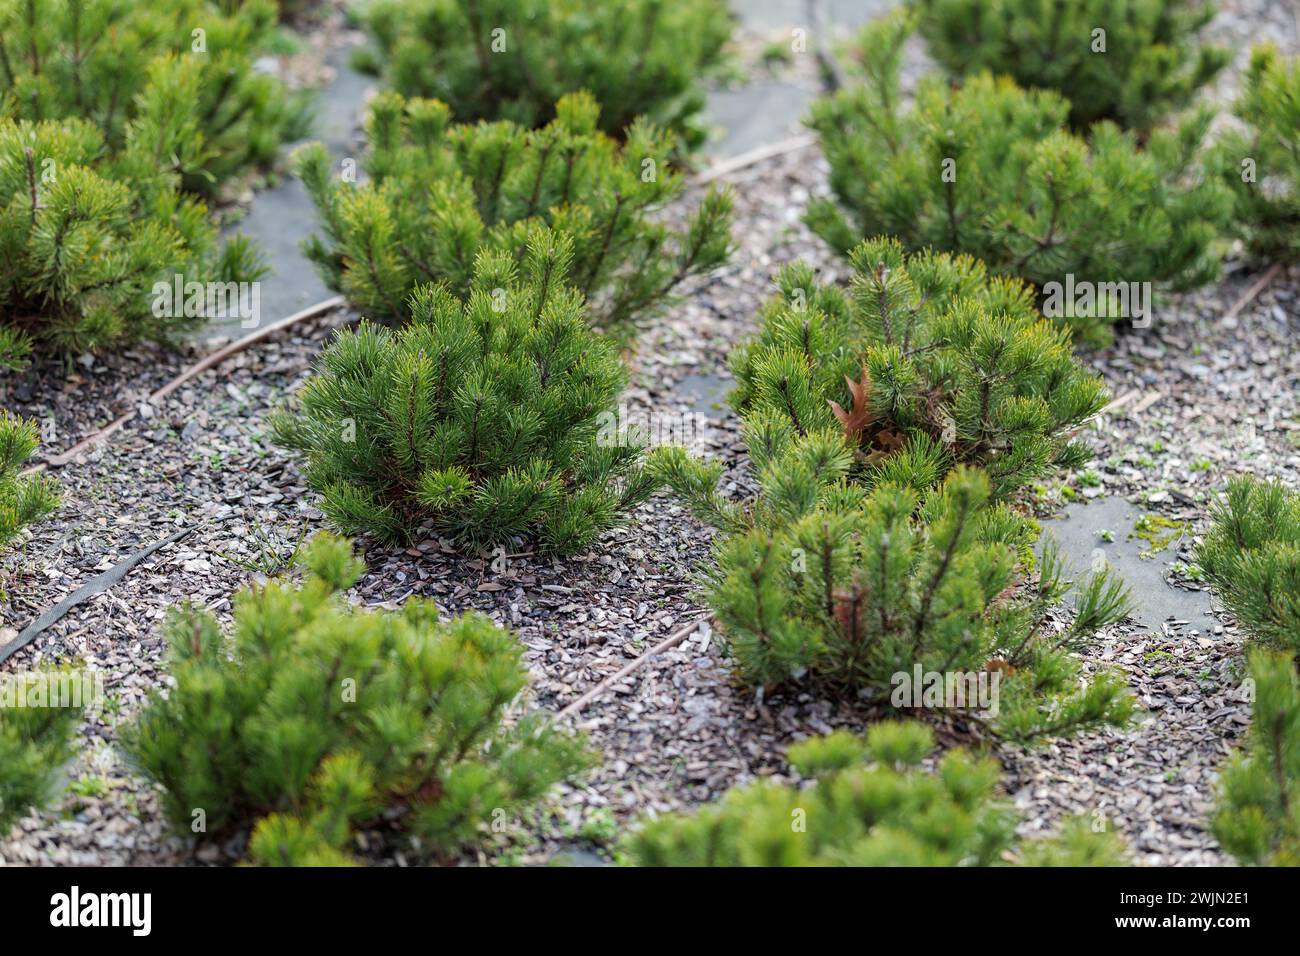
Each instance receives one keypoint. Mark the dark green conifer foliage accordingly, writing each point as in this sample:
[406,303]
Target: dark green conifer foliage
[22,500]
[1261,163]
[926,354]
[1146,64]
[36,742]
[1251,555]
[850,566]
[844,590]
[195,97]
[485,418]
[1258,817]
[316,717]
[84,239]
[440,192]
[988,169]
[871,805]
[514,59]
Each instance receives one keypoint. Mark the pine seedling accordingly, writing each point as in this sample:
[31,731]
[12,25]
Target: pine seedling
[485,419]
[1258,816]
[989,169]
[315,717]
[927,361]
[23,500]
[1133,62]
[440,192]
[180,79]
[514,59]
[856,593]
[1251,556]
[83,242]
[36,742]
[863,413]
[870,804]
[1261,163]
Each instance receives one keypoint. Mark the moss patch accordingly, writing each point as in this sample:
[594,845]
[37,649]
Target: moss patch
[1158,532]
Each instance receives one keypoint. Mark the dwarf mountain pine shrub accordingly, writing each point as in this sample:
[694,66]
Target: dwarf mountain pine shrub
[850,567]
[514,59]
[482,418]
[988,169]
[439,192]
[1258,817]
[22,500]
[861,593]
[1133,62]
[178,79]
[35,743]
[316,717]
[926,354]
[1262,163]
[871,804]
[1251,555]
[84,239]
